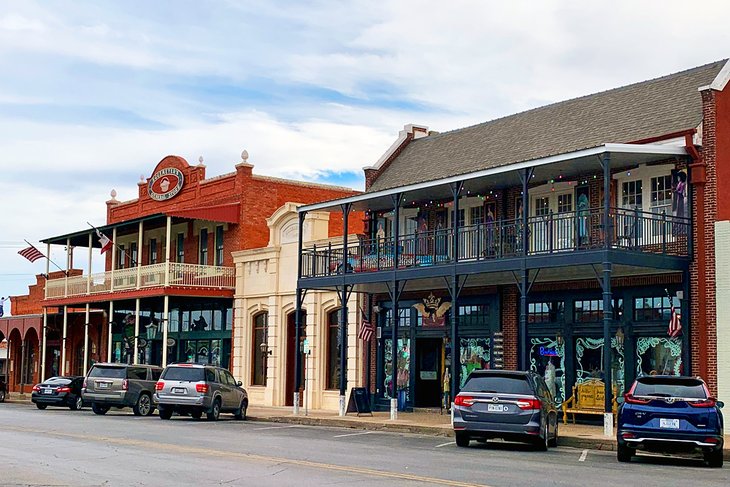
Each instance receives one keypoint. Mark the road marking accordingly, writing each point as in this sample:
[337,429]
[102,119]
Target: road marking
[445,444]
[192,450]
[353,434]
[583,456]
[276,427]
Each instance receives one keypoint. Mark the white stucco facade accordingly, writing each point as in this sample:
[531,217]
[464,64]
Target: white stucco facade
[722,276]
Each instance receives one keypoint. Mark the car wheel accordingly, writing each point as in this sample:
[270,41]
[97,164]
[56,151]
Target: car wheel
[714,458]
[541,442]
[41,406]
[143,407]
[100,410]
[215,411]
[2,396]
[196,414]
[165,413]
[241,411]
[624,453]
[462,439]
[77,404]
[554,441]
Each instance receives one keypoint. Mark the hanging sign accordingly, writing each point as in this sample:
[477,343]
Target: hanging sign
[165,184]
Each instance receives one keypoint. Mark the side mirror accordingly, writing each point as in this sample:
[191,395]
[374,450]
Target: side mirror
[720,404]
[239,384]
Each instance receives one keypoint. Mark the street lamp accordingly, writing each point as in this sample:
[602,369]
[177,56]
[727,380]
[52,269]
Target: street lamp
[152,330]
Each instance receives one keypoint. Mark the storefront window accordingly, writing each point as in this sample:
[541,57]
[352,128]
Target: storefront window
[658,356]
[404,367]
[547,358]
[474,354]
[546,312]
[656,308]
[474,315]
[333,349]
[259,352]
[591,310]
[589,361]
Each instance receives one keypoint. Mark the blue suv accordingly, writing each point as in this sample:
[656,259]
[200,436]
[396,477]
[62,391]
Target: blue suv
[670,414]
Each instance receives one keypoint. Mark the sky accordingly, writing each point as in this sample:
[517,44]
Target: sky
[94,94]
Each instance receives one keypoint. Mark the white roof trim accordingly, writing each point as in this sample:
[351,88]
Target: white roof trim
[402,135]
[720,80]
[662,150]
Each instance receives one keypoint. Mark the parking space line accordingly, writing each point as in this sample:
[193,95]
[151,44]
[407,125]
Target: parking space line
[445,444]
[353,434]
[276,427]
[583,456]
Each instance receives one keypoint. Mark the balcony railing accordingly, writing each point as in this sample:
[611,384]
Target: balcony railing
[547,234]
[188,275]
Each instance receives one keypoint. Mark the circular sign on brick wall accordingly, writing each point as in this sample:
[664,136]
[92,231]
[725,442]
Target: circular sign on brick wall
[165,184]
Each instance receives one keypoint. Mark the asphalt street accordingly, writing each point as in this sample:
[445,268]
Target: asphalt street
[62,447]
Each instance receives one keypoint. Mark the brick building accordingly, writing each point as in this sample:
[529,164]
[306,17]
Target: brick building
[167,290]
[560,239]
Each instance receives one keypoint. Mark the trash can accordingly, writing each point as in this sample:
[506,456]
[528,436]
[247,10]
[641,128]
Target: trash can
[402,400]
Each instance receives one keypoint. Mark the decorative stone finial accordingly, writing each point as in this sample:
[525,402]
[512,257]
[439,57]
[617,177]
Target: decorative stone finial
[113,194]
[141,178]
[200,160]
[244,156]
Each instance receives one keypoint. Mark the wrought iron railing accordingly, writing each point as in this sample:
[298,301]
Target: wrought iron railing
[189,275]
[551,233]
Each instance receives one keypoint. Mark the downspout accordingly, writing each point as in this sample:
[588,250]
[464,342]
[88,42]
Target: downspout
[698,180]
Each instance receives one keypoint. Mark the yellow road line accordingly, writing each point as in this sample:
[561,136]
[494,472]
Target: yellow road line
[247,456]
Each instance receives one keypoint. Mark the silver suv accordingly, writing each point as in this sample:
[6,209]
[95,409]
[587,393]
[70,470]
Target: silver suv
[195,389]
[121,385]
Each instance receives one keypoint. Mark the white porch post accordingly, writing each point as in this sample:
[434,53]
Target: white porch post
[165,323]
[114,255]
[168,246]
[43,353]
[139,256]
[86,338]
[68,267]
[135,361]
[109,332]
[63,340]
[88,277]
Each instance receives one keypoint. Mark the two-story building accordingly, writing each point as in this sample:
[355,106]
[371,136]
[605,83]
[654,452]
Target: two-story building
[166,293]
[561,239]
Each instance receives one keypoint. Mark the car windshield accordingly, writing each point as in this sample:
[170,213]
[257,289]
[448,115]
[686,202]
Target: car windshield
[504,384]
[190,374]
[108,372]
[670,387]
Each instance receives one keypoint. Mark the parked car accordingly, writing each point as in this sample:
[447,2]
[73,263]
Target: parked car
[58,391]
[3,390]
[196,389]
[670,414]
[121,385]
[515,406]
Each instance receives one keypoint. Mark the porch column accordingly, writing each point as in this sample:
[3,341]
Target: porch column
[63,340]
[343,301]
[68,267]
[684,307]
[165,323]
[394,299]
[88,276]
[298,318]
[523,348]
[455,343]
[22,363]
[110,332]
[114,255]
[135,360]
[524,284]
[168,233]
[86,338]
[139,255]
[43,345]
[607,297]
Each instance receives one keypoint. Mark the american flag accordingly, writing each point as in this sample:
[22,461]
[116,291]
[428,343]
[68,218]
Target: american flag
[675,323]
[31,253]
[366,330]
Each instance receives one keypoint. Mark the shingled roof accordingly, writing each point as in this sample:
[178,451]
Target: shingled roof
[631,113]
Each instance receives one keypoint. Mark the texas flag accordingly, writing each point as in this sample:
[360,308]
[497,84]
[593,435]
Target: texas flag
[105,242]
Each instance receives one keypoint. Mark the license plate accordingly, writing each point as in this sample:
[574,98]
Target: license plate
[47,391]
[178,390]
[496,408]
[103,385]
[669,423]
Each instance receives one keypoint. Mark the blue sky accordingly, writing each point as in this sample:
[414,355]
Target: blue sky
[94,94]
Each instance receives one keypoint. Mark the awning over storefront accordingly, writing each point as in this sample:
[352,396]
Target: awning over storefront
[227,213]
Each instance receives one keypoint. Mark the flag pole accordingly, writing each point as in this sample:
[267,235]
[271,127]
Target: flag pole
[125,252]
[47,258]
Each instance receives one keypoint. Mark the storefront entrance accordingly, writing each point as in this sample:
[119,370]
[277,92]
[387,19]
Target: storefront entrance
[428,372]
[291,344]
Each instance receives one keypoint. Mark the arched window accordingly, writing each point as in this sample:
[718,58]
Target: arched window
[260,353]
[333,349]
